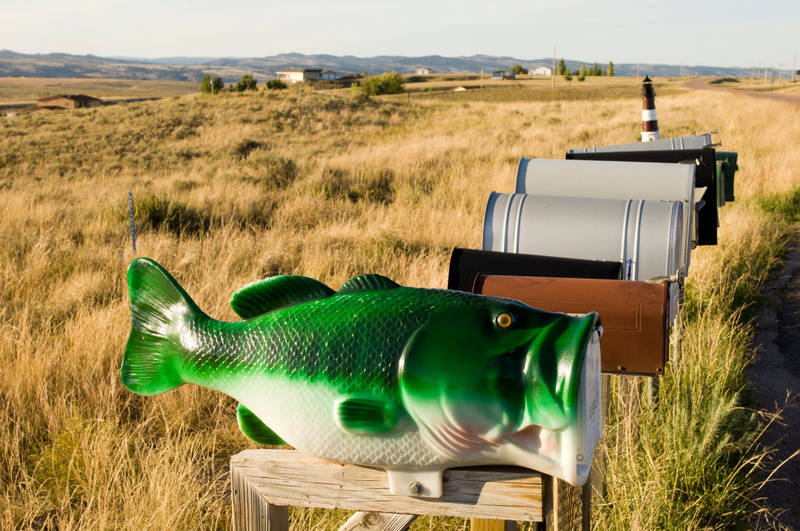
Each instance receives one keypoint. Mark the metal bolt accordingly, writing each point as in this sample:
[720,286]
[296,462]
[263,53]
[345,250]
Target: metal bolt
[414,488]
[619,367]
[580,457]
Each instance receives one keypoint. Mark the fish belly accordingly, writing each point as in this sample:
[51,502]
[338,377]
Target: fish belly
[303,414]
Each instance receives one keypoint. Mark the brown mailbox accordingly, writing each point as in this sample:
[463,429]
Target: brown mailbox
[634,315]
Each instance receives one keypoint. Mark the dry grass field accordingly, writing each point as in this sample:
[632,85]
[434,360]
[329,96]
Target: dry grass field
[28,90]
[233,188]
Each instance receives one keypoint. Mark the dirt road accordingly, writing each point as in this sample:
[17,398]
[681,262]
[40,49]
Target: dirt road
[702,84]
[775,376]
[775,373]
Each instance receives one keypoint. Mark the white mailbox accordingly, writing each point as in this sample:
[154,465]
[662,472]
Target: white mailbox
[681,142]
[616,180]
[644,235]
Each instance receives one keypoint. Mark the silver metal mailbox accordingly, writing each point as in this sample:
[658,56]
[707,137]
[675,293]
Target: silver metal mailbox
[705,177]
[616,180]
[644,235]
[681,142]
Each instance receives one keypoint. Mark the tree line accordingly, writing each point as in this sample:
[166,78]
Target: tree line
[595,70]
[562,70]
[211,84]
[386,83]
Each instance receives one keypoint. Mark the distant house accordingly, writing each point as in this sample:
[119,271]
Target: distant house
[543,71]
[68,101]
[423,71]
[302,75]
[503,74]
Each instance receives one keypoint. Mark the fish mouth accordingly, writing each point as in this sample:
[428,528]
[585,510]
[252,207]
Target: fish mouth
[552,370]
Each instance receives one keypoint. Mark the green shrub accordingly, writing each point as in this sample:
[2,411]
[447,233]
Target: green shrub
[242,149]
[211,84]
[247,82]
[386,83]
[724,80]
[272,168]
[276,84]
[164,212]
[373,186]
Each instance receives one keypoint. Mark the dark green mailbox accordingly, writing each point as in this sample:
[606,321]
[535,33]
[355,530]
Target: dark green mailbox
[727,164]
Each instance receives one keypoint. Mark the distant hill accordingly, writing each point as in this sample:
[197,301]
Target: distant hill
[14,64]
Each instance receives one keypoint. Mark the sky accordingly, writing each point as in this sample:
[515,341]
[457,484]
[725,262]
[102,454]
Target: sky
[728,33]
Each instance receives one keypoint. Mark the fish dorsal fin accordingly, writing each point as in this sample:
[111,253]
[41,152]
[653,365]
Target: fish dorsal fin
[254,429]
[371,282]
[270,294]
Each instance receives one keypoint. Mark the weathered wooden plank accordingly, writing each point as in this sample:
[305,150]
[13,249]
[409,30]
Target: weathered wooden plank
[251,512]
[290,478]
[369,521]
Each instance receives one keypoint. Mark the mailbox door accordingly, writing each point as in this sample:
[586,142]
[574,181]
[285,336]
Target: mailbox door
[644,235]
[615,180]
[634,315]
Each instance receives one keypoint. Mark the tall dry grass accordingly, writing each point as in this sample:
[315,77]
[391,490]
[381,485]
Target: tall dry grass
[238,187]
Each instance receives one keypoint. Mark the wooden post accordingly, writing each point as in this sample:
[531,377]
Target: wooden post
[251,511]
[571,507]
[491,525]
[266,482]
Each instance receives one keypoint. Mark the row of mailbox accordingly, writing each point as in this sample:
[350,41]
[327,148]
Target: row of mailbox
[610,229]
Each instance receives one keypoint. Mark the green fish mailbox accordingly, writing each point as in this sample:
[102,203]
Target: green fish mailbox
[411,380]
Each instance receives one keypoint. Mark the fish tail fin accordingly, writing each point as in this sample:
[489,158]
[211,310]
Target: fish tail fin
[159,308]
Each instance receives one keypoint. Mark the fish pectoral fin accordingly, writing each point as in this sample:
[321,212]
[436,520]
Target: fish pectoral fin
[254,429]
[270,294]
[369,282]
[368,415]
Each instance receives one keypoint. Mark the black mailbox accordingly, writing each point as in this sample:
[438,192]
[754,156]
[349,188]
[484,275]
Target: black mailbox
[467,264]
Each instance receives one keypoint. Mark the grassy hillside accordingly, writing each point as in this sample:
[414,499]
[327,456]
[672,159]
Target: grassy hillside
[237,187]
[26,89]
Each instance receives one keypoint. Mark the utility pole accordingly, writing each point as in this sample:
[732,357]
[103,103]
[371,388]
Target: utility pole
[554,68]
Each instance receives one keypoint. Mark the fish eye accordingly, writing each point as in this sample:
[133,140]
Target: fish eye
[504,320]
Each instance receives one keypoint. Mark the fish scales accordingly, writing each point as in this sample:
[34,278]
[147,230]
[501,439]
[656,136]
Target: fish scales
[322,339]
